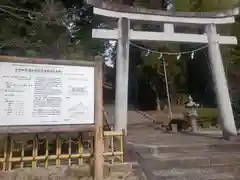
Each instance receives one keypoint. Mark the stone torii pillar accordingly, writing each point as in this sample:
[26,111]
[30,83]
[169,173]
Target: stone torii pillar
[122,69]
[124,34]
[221,88]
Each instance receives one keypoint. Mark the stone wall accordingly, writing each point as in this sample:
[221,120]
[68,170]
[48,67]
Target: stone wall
[83,172]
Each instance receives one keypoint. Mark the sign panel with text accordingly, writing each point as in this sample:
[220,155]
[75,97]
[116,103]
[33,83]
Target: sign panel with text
[33,94]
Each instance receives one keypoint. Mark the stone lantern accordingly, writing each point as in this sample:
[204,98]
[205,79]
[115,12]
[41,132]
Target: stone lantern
[192,113]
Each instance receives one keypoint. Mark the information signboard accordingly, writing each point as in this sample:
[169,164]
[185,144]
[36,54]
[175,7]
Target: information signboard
[36,94]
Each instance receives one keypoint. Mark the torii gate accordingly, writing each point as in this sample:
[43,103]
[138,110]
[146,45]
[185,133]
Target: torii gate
[124,34]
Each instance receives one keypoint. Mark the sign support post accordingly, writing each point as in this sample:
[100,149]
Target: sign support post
[98,138]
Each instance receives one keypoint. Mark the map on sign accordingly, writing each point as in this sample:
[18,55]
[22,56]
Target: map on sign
[42,94]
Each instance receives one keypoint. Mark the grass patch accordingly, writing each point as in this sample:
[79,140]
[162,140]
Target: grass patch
[208,115]
[207,112]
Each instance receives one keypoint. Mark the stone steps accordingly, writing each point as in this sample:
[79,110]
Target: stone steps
[224,148]
[201,147]
[181,156]
[160,160]
[190,173]
[185,164]
[224,173]
[197,162]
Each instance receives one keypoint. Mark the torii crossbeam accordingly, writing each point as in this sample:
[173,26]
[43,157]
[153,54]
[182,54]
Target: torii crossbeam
[124,34]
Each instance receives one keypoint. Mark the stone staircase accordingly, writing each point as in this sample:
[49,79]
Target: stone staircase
[215,161]
[179,156]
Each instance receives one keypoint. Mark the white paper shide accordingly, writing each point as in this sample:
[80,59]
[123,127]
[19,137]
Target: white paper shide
[41,94]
